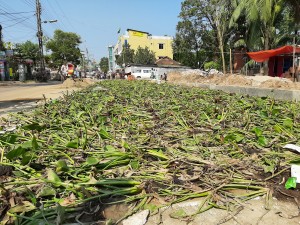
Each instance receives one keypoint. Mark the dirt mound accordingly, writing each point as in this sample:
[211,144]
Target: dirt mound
[237,80]
[77,83]
[284,84]
[185,78]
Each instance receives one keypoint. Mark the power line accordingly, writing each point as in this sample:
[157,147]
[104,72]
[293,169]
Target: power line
[13,13]
[18,22]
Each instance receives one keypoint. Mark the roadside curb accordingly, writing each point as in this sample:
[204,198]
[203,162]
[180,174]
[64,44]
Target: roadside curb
[280,94]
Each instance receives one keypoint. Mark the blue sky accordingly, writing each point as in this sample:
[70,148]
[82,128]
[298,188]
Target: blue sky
[96,21]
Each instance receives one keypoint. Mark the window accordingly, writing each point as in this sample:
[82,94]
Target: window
[146,71]
[161,46]
[138,71]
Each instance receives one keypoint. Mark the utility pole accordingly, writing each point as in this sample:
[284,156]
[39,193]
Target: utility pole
[294,61]
[41,73]
[1,40]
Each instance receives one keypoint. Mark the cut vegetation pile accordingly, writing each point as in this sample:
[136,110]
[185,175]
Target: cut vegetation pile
[136,141]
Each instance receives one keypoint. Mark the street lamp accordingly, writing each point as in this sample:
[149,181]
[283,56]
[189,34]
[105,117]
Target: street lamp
[49,21]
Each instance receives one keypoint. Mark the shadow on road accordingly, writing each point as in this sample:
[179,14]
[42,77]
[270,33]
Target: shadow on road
[18,105]
[30,84]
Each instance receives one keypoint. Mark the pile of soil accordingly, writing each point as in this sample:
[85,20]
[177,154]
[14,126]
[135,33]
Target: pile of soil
[277,84]
[77,83]
[236,80]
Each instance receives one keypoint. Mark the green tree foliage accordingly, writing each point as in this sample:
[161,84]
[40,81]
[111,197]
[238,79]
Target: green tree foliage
[261,16]
[64,47]
[203,22]
[144,56]
[126,56]
[294,7]
[28,50]
[272,23]
[104,64]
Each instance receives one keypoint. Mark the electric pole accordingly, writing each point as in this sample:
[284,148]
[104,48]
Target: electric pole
[1,40]
[41,73]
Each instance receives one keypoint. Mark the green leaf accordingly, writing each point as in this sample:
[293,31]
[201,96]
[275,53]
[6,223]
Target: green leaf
[33,126]
[26,158]
[92,161]
[288,123]
[60,214]
[15,153]
[262,141]
[291,183]
[109,148]
[53,177]
[277,128]
[34,143]
[72,144]
[125,145]
[258,132]
[10,138]
[61,165]
[159,154]
[46,191]
[135,164]
[23,207]
[237,137]
[27,145]
[275,111]
[104,134]
[180,213]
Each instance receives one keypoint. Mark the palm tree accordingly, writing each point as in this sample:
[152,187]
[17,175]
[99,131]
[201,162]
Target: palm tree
[261,17]
[294,6]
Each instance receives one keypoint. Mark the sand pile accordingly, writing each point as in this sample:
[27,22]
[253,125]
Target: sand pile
[235,80]
[77,83]
[178,77]
[283,84]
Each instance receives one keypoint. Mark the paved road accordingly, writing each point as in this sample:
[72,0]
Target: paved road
[16,96]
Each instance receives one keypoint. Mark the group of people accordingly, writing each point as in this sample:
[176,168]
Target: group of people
[70,70]
[163,77]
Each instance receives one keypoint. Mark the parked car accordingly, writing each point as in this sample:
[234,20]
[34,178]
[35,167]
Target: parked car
[142,74]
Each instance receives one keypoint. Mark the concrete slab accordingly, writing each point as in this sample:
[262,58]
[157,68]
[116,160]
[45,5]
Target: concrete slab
[252,212]
[280,94]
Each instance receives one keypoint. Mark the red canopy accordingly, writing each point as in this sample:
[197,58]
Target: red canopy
[262,56]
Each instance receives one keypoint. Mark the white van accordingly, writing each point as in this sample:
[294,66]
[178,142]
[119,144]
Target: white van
[142,73]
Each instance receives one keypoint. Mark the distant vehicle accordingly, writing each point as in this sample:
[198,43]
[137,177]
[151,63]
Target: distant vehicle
[71,69]
[36,72]
[142,74]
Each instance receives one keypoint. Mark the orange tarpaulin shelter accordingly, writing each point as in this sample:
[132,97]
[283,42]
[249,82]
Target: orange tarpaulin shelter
[262,56]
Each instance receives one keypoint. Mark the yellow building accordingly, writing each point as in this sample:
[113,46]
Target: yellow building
[160,45]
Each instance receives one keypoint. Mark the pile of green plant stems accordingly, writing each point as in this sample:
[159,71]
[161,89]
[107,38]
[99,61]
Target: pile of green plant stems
[135,141]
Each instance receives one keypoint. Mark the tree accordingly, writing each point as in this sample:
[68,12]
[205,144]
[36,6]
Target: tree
[204,19]
[294,6]
[28,50]
[64,47]
[144,56]
[104,64]
[126,56]
[261,16]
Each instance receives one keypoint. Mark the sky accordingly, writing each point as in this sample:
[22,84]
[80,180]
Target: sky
[96,21]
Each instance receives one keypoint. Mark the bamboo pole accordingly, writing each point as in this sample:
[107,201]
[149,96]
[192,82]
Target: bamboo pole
[230,64]
[294,52]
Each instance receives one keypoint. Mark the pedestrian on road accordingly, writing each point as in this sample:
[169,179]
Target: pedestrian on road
[63,72]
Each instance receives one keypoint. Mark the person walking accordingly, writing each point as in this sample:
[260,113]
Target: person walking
[63,72]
